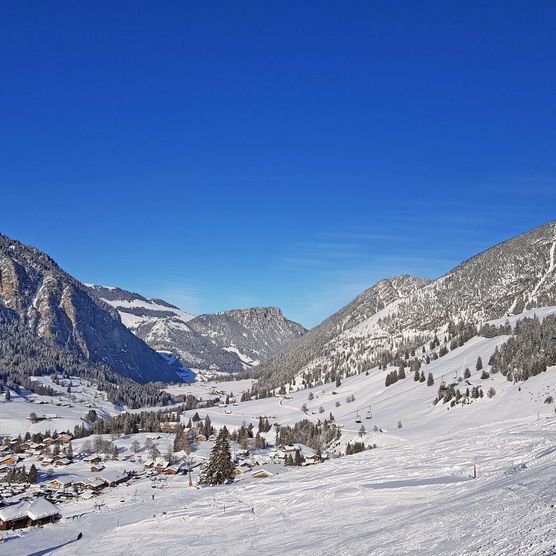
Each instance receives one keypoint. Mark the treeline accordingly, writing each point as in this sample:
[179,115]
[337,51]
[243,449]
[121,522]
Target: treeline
[529,352]
[20,474]
[313,435]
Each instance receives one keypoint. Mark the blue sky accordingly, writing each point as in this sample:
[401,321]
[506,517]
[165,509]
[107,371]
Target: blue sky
[228,154]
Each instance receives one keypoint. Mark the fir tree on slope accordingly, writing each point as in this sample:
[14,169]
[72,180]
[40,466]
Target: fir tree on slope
[219,468]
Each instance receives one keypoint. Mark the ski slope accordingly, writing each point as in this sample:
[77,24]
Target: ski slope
[414,497]
[407,401]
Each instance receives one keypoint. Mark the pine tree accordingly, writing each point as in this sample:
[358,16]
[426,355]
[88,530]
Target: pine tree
[219,468]
[479,364]
[33,474]
[430,380]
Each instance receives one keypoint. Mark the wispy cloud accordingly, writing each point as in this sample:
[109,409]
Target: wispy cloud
[183,296]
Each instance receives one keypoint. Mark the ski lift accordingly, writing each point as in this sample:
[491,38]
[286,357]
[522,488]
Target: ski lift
[369,414]
[357,418]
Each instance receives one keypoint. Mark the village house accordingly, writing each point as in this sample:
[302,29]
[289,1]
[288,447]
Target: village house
[112,478]
[171,470]
[60,483]
[64,438]
[93,458]
[266,471]
[169,426]
[89,484]
[262,473]
[10,460]
[25,514]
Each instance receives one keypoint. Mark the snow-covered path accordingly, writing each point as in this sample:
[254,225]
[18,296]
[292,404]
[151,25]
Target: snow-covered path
[414,497]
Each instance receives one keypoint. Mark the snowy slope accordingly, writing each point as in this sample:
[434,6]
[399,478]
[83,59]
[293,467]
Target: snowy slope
[413,498]
[509,278]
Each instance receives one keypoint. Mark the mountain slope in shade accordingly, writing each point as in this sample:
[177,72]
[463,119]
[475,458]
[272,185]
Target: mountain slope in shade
[231,341]
[60,309]
[509,278]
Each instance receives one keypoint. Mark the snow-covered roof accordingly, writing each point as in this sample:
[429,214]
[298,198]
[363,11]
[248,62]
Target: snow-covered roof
[112,476]
[37,509]
[41,508]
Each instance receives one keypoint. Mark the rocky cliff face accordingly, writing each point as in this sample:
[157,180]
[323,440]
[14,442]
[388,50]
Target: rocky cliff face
[254,334]
[60,309]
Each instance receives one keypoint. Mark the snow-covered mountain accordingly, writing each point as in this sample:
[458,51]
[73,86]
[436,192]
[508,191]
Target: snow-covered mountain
[404,313]
[134,309]
[253,334]
[230,341]
[58,309]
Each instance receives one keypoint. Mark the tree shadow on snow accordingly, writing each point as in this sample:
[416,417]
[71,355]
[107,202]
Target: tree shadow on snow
[49,550]
[418,482]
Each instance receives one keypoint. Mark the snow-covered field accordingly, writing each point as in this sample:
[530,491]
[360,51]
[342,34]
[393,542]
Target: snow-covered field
[414,497]
[64,411]
[407,401]
[411,495]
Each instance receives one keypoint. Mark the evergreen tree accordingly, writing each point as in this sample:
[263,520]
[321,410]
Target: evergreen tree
[219,468]
[430,380]
[33,475]
[479,364]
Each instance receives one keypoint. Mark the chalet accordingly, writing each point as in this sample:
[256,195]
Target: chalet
[201,438]
[97,467]
[60,483]
[112,478]
[238,472]
[262,473]
[61,462]
[267,471]
[212,437]
[89,484]
[25,514]
[169,426]
[49,441]
[47,461]
[93,458]
[171,470]
[9,460]
[64,438]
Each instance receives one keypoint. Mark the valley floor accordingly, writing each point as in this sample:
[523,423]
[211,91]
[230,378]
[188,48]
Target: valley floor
[413,497]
